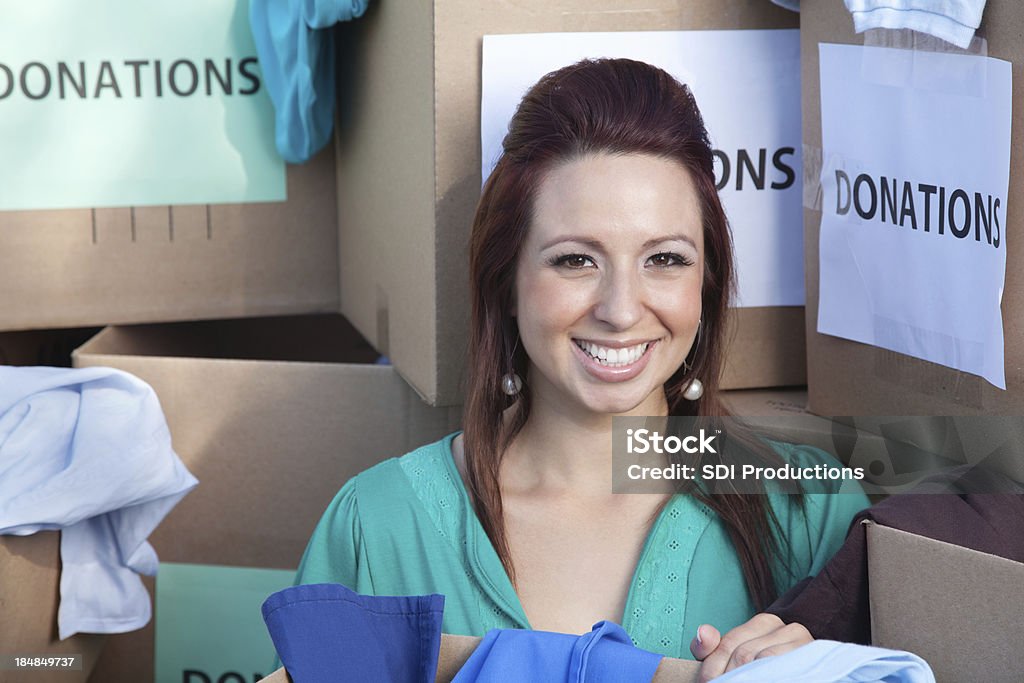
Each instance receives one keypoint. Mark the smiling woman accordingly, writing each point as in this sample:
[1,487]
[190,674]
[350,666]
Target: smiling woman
[601,273]
[609,282]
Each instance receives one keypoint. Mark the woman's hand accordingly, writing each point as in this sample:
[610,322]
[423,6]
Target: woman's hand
[763,636]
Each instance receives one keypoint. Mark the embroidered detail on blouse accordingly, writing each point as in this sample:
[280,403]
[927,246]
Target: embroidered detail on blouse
[657,598]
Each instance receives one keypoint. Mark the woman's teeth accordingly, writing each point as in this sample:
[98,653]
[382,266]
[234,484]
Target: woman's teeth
[613,357]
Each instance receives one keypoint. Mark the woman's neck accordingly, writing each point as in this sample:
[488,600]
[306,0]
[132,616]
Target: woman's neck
[564,450]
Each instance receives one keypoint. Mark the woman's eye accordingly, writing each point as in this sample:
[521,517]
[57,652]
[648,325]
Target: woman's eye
[574,261]
[667,259]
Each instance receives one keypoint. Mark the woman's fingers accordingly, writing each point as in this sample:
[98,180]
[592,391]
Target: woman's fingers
[763,635]
[778,642]
[705,642]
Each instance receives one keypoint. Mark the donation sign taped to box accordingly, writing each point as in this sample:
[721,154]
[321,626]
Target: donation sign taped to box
[747,86]
[915,176]
[122,103]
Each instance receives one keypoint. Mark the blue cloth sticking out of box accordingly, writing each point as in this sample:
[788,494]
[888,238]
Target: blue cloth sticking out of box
[295,47]
[88,452]
[326,633]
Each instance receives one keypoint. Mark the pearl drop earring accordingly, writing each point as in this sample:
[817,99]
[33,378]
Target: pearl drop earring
[694,390]
[511,384]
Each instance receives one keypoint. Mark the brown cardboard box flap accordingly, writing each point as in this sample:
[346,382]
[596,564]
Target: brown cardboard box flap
[455,650]
[959,609]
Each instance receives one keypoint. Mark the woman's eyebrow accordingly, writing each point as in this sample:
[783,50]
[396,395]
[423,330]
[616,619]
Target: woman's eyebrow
[588,241]
[670,238]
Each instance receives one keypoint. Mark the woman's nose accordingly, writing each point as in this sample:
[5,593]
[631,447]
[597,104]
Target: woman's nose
[620,301]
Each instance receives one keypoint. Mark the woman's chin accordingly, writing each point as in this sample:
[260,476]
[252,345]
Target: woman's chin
[619,403]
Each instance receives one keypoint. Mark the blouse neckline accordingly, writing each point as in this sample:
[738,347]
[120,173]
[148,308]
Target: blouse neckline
[653,581]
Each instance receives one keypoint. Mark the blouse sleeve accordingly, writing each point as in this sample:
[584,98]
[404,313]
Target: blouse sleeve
[336,552]
[812,534]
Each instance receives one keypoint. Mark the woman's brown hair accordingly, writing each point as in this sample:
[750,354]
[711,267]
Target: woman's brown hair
[615,106]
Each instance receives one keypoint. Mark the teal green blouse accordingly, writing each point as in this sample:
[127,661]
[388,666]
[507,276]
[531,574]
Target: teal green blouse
[406,527]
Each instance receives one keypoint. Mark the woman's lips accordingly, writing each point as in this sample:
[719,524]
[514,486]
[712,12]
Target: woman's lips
[618,372]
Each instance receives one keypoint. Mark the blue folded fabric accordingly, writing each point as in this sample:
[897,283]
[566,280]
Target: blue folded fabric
[605,655]
[826,661]
[326,633]
[295,47]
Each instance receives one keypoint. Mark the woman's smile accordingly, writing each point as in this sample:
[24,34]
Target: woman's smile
[611,361]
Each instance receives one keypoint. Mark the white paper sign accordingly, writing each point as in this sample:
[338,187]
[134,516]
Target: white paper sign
[916,151]
[747,85]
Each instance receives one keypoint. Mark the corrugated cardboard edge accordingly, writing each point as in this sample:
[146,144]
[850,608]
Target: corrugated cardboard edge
[386,188]
[455,650]
[958,609]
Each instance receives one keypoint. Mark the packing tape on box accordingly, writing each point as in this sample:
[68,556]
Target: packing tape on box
[904,39]
[812,177]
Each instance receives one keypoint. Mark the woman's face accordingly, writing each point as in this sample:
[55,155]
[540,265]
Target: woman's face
[608,284]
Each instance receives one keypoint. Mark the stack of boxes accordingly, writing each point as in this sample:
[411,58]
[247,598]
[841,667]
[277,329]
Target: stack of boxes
[368,256]
[957,608]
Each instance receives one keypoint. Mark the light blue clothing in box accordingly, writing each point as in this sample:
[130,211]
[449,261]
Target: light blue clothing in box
[88,451]
[406,527]
[295,46]
[826,661]
[951,20]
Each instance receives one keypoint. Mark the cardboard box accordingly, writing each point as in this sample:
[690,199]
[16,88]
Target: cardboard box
[272,416]
[29,597]
[408,173]
[93,267]
[408,154]
[956,608]
[848,378]
[455,650]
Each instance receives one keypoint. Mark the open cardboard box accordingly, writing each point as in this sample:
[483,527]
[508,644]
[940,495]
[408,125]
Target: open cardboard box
[272,416]
[958,609]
